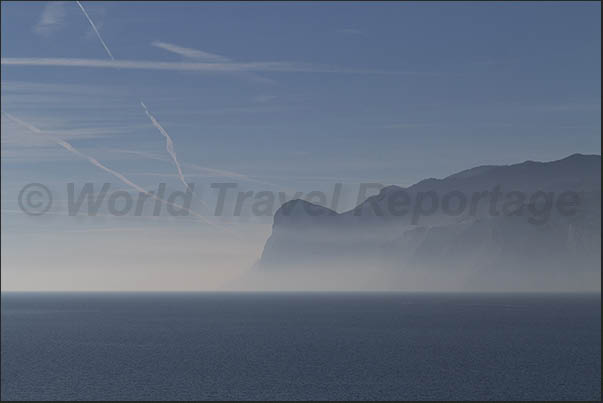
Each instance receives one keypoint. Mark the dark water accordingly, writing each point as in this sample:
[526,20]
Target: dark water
[300,346]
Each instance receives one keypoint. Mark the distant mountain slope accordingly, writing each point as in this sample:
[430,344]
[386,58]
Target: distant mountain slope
[492,243]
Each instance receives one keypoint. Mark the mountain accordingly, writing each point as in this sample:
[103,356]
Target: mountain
[528,226]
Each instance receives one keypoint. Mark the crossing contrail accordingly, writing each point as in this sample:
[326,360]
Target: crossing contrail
[169,144]
[100,38]
[96,163]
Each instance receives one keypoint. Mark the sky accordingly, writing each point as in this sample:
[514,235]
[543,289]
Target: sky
[273,97]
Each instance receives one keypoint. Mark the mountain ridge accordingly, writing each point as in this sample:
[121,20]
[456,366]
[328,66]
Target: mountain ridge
[480,247]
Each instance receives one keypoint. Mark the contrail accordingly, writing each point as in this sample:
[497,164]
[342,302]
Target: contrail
[95,30]
[190,53]
[169,144]
[96,163]
[229,67]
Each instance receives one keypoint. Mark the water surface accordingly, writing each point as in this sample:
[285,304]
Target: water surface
[300,346]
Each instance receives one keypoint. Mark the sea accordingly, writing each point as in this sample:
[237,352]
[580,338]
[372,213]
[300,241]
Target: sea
[300,346]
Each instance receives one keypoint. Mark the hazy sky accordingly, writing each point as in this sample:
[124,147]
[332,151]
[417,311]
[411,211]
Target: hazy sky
[281,96]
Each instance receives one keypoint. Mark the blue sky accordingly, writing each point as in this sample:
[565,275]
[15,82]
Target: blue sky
[292,95]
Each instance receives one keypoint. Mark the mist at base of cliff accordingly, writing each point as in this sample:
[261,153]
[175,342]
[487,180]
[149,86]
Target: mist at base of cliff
[358,277]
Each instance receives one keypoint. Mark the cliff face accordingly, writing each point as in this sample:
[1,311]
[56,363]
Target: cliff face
[501,240]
